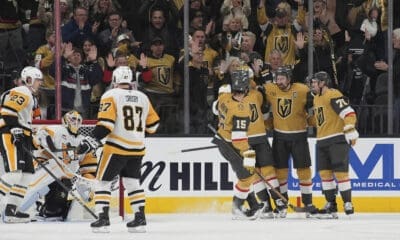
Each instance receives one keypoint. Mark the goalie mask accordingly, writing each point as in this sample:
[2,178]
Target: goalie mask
[72,120]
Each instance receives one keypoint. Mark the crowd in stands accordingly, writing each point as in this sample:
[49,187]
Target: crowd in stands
[350,44]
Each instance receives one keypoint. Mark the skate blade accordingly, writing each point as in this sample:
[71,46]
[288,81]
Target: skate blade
[269,215]
[8,219]
[138,229]
[105,229]
[328,216]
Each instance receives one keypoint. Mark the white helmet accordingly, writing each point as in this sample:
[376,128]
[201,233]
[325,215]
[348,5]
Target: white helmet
[32,72]
[72,120]
[122,74]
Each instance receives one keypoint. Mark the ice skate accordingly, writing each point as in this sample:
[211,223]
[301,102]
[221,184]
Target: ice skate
[281,209]
[267,212]
[311,211]
[102,224]
[348,208]
[329,211]
[137,225]
[11,215]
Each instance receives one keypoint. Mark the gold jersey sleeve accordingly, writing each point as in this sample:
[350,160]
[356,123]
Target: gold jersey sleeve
[330,111]
[288,107]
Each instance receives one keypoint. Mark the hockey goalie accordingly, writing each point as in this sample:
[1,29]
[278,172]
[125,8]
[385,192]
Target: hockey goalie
[65,153]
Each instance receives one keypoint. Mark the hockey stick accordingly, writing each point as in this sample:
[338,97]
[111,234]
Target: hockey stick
[294,208]
[65,149]
[59,182]
[198,148]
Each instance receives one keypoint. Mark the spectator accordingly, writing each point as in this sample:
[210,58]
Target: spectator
[236,7]
[279,32]
[44,58]
[100,13]
[78,28]
[164,87]
[108,37]
[77,80]
[158,28]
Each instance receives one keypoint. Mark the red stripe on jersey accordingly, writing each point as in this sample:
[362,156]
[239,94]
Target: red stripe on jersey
[241,190]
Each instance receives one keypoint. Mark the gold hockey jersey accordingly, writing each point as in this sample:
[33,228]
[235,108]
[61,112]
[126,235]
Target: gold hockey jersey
[332,112]
[234,120]
[289,108]
[162,69]
[128,114]
[256,132]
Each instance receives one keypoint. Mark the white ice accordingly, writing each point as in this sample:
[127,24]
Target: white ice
[360,226]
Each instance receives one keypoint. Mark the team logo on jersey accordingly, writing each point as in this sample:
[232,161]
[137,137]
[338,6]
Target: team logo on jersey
[284,107]
[282,43]
[320,115]
[164,75]
[254,113]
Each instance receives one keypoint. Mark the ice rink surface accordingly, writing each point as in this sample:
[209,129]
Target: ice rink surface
[219,227]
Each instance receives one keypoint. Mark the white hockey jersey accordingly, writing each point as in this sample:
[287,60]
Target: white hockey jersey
[127,114]
[19,103]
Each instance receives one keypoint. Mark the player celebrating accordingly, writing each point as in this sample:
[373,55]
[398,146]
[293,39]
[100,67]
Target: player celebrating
[335,120]
[15,128]
[125,114]
[289,104]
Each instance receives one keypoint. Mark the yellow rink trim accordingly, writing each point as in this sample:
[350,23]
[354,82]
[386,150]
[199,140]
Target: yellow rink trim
[223,204]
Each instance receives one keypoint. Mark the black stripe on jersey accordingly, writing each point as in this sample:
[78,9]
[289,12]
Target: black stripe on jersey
[103,192]
[102,202]
[20,186]
[16,194]
[106,120]
[2,193]
[125,149]
[135,192]
[152,124]
[88,165]
[11,109]
[5,183]
[139,201]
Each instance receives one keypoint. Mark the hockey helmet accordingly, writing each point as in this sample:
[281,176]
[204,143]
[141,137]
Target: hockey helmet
[31,72]
[122,74]
[323,76]
[240,81]
[72,120]
[284,71]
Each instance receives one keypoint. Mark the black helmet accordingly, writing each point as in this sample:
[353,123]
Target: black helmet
[284,71]
[240,81]
[323,76]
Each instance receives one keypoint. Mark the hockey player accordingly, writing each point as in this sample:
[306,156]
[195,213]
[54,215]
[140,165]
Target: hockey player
[125,114]
[235,113]
[335,120]
[53,139]
[15,129]
[289,104]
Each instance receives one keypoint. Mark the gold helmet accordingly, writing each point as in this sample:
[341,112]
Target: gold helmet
[72,120]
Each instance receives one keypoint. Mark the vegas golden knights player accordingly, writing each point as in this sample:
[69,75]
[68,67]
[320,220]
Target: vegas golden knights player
[15,128]
[289,104]
[235,113]
[124,116]
[335,121]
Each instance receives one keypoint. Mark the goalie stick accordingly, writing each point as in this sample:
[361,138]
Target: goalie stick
[60,183]
[294,208]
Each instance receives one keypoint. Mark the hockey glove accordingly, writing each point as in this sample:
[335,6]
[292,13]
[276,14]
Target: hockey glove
[351,134]
[90,143]
[249,160]
[17,135]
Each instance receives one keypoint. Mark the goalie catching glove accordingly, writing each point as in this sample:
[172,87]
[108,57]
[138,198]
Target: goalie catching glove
[351,134]
[249,160]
